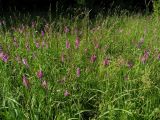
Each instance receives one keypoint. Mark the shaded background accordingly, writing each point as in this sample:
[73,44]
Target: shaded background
[43,5]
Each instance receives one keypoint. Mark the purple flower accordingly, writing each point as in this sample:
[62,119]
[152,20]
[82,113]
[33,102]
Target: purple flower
[66,93]
[146,54]
[93,58]
[130,64]
[40,74]
[5,58]
[78,72]
[106,62]
[97,46]
[37,45]
[42,33]
[25,62]
[67,44]
[66,29]
[77,42]
[145,57]
[25,81]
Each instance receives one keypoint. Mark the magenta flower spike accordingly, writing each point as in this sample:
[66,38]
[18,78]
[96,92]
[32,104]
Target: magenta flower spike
[25,62]
[42,33]
[146,54]
[77,42]
[40,74]
[5,58]
[66,93]
[66,29]
[145,57]
[97,46]
[25,81]
[67,44]
[106,62]
[93,58]
[37,45]
[78,72]
[130,64]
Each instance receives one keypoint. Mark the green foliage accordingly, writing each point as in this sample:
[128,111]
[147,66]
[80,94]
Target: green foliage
[126,88]
[156,7]
[81,2]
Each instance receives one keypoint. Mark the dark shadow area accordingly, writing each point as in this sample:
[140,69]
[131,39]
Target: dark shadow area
[62,5]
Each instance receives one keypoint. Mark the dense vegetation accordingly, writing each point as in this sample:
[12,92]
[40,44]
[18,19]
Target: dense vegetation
[67,68]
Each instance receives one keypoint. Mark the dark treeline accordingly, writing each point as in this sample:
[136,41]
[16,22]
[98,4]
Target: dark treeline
[137,5]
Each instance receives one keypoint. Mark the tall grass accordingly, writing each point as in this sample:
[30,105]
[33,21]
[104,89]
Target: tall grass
[112,74]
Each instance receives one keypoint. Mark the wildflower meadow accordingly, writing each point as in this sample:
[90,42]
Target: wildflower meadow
[77,68]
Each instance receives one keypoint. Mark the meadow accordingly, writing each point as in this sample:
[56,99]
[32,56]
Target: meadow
[76,68]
